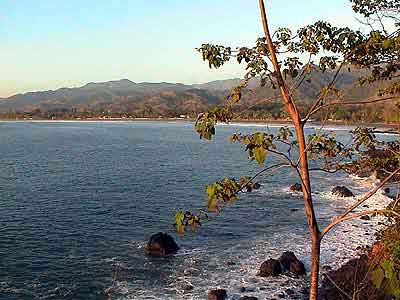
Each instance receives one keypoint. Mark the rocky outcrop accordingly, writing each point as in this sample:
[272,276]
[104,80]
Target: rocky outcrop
[342,191]
[161,244]
[376,163]
[351,278]
[270,267]
[291,263]
[288,262]
[295,187]
[217,294]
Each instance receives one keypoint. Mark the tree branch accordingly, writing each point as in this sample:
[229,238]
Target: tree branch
[370,101]
[358,203]
[356,215]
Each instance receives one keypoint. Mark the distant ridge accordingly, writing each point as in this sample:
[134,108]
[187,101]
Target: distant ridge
[160,98]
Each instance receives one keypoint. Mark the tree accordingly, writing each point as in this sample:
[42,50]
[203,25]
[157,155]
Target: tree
[319,48]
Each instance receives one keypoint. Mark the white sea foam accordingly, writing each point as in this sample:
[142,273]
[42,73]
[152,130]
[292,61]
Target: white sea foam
[235,268]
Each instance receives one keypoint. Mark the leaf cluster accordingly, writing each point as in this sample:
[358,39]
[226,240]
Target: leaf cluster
[257,144]
[205,123]
[221,192]
[186,219]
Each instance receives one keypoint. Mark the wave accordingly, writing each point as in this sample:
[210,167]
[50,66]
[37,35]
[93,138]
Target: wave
[235,268]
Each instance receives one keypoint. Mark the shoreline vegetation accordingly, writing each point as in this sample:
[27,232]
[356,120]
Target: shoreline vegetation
[357,278]
[393,125]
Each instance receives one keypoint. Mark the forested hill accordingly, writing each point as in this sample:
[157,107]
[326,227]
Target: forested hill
[130,99]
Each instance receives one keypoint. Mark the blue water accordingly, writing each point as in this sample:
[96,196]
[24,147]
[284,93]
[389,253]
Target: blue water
[79,199]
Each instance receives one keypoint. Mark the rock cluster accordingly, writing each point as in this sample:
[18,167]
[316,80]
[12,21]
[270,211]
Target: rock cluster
[288,262]
[342,191]
[161,244]
[217,294]
[295,187]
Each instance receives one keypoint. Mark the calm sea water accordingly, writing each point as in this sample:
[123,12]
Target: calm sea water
[78,201]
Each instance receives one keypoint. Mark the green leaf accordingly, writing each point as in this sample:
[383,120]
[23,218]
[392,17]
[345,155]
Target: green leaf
[377,277]
[179,222]
[388,268]
[211,197]
[259,154]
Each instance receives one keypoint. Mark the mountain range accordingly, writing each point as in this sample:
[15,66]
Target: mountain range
[166,99]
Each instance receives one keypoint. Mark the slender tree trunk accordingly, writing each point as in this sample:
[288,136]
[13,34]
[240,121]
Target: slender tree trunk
[302,157]
[309,210]
[315,260]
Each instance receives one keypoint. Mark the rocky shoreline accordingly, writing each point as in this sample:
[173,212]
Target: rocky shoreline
[333,270]
[353,279]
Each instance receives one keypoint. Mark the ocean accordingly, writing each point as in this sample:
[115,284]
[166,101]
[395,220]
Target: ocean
[78,201]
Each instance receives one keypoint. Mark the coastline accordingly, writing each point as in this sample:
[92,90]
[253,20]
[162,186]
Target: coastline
[354,277]
[190,120]
[344,244]
[246,257]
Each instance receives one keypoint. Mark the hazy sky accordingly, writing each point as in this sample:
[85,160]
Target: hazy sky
[48,44]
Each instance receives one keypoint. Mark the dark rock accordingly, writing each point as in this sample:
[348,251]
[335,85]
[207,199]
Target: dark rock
[366,218]
[289,292]
[291,263]
[362,167]
[294,209]
[270,267]
[281,296]
[187,286]
[366,205]
[351,278]
[326,268]
[297,268]
[218,294]
[381,223]
[248,298]
[295,187]
[387,190]
[342,191]
[161,244]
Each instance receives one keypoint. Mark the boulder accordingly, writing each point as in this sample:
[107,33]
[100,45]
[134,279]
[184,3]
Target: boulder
[342,191]
[270,267]
[217,294]
[291,263]
[295,187]
[365,218]
[248,298]
[161,244]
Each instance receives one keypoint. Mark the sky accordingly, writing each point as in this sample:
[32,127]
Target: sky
[49,44]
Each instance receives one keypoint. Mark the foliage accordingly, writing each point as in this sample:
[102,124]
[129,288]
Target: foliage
[187,219]
[256,144]
[322,48]
[385,259]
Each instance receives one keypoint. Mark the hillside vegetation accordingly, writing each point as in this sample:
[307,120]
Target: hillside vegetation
[125,98]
